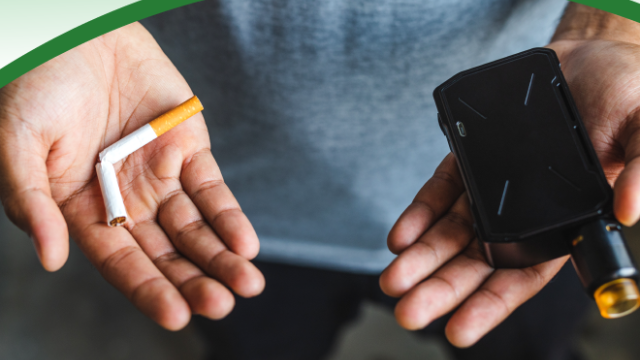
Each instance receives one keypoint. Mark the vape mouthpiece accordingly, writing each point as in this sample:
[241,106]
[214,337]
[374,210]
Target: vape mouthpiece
[617,298]
[605,267]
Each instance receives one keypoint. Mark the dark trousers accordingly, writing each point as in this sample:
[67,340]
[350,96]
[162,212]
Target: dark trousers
[302,309]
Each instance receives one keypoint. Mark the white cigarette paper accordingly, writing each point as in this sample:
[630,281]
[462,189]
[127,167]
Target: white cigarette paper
[128,144]
[116,212]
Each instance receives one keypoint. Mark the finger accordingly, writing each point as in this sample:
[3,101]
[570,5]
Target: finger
[26,196]
[627,186]
[205,296]
[195,239]
[445,290]
[446,238]
[627,194]
[503,292]
[433,200]
[121,261]
[203,182]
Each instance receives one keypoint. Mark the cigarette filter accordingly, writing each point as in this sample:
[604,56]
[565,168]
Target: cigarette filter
[147,133]
[116,212]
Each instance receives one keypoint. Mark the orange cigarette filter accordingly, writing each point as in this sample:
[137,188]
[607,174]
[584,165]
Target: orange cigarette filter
[172,118]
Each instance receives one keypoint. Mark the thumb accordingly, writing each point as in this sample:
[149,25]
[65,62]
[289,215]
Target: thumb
[26,196]
[626,199]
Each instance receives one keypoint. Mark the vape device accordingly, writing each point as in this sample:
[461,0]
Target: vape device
[536,187]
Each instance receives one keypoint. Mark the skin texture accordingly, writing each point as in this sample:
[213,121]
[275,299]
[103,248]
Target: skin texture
[187,244]
[440,266]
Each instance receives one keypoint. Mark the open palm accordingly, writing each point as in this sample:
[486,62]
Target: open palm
[186,240]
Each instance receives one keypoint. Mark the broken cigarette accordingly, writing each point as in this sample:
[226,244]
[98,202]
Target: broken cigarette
[116,211]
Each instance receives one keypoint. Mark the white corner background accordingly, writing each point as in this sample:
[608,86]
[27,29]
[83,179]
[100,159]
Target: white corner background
[27,24]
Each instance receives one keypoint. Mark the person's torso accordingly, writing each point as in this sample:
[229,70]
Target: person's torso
[320,113]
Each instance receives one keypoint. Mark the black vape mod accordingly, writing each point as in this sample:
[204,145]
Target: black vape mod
[536,187]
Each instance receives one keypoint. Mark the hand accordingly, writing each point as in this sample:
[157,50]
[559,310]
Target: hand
[441,266]
[604,78]
[186,240]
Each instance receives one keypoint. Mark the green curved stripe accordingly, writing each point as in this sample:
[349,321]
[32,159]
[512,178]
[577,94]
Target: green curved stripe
[85,32]
[146,8]
[624,8]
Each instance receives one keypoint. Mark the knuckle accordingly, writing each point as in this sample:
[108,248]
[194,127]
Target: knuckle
[459,220]
[496,299]
[426,206]
[167,199]
[213,262]
[225,212]
[446,177]
[449,284]
[170,256]
[189,228]
[475,254]
[202,152]
[135,295]
[535,276]
[430,249]
[112,261]
[207,185]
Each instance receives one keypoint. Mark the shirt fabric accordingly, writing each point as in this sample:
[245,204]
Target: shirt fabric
[320,112]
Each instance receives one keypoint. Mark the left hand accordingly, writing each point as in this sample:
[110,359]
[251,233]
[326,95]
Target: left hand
[440,266]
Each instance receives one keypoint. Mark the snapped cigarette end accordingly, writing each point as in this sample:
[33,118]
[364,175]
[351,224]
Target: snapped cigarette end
[113,202]
[170,119]
[128,144]
[119,221]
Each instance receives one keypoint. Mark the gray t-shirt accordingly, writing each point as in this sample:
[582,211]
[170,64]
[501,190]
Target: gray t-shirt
[320,112]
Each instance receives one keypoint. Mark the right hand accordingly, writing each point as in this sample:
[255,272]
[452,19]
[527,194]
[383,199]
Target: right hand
[186,241]
[441,267]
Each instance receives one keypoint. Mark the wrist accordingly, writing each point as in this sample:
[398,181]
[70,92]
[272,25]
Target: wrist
[581,22]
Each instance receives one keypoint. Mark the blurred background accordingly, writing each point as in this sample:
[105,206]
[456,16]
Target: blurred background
[75,314]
